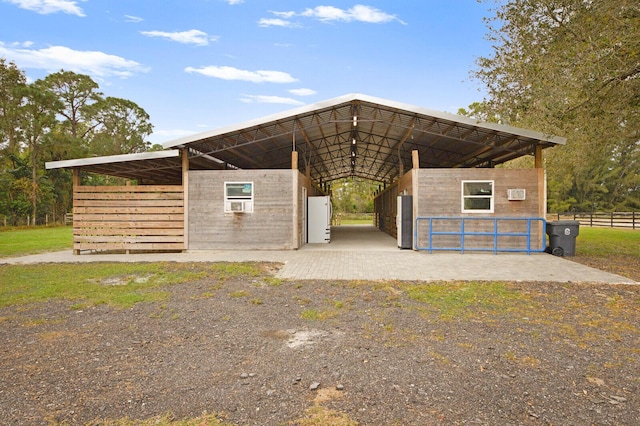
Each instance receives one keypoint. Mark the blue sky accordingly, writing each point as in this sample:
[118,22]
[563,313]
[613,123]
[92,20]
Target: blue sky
[197,65]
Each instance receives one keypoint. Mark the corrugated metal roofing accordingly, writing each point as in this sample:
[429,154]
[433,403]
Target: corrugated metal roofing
[358,135]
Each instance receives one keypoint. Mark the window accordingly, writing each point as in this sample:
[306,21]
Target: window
[477,196]
[238,197]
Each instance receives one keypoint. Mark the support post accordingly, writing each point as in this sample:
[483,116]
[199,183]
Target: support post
[76,184]
[415,157]
[538,157]
[185,196]
[294,160]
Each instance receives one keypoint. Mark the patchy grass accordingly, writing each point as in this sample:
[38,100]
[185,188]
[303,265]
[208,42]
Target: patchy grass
[454,299]
[321,416]
[164,420]
[22,241]
[117,284]
[317,315]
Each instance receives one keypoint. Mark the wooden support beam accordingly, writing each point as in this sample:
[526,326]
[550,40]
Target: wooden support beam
[76,184]
[185,194]
[294,160]
[538,157]
[415,157]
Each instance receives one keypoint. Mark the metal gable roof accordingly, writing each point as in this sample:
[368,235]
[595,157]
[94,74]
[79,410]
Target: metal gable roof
[351,135]
[358,135]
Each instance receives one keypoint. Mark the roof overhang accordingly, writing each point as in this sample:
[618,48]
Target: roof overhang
[351,135]
[155,166]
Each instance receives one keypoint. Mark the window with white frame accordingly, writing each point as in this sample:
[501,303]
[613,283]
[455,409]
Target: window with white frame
[477,196]
[238,197]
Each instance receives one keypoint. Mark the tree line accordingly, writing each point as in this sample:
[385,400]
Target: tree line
[59,117]
[571,68]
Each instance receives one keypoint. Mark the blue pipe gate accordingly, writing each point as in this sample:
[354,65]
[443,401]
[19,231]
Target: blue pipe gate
[474,229]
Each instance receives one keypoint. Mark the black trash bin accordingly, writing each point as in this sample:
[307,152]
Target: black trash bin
[562,237]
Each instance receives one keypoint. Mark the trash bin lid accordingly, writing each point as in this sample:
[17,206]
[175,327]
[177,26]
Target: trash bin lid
[564,223]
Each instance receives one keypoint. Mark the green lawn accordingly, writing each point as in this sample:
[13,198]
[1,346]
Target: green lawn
[22,241]
[604,242]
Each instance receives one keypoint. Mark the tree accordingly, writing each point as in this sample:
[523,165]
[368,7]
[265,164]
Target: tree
[59,117]
[12,83]
[353,195]
[38,115]
[76,93]
[119,126]
[572,67]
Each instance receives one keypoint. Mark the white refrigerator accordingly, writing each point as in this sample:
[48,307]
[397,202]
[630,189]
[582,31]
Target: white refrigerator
[319,219]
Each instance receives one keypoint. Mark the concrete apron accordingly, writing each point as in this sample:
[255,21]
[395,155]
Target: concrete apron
[363,253]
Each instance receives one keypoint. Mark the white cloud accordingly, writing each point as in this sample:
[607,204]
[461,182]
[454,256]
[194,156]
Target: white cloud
[131,18]
[196,37]
[303,92]
[54,58]
[276,22]
[45,7]
[263,99]
[234,2]
[358,13]
[284,15]
[231,73]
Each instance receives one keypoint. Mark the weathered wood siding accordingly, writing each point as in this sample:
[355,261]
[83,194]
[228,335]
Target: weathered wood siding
[143,217]
[440,195]
[386,204]
[269,227]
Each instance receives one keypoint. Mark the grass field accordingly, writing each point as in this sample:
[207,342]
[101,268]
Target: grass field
[22,241]
[604,242]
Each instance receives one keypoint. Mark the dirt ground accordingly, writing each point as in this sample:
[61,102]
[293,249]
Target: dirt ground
[259,351]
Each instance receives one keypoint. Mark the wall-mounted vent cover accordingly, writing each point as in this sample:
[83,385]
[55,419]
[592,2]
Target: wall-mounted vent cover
[236,206]
[516,194]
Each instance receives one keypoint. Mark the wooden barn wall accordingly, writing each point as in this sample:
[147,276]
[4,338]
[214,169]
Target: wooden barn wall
[385,204]
[440,195]
[269,227]
[144,217]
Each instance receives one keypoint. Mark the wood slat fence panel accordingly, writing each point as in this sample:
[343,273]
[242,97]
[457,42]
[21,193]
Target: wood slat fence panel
[130,218]
[627,220]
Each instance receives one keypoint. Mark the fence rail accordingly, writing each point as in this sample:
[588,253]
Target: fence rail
[628,220]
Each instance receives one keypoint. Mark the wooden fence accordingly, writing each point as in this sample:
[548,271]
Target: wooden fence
[145,217]
[628,220]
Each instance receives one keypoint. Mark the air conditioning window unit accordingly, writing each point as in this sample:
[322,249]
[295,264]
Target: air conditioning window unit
[236,206]
[516,194]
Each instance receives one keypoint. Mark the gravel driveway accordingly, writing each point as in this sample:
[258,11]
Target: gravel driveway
[264,351]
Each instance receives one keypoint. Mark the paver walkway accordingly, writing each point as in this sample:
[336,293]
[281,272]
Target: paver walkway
[359,252]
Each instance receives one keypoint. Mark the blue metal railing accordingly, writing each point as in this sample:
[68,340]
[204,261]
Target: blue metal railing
[494,234]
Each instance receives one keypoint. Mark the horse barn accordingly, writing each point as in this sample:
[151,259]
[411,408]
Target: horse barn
[258,184]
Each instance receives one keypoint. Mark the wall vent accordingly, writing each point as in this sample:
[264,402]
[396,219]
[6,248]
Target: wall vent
[516,194]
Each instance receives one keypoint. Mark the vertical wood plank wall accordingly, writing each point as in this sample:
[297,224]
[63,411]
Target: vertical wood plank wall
[144,217]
